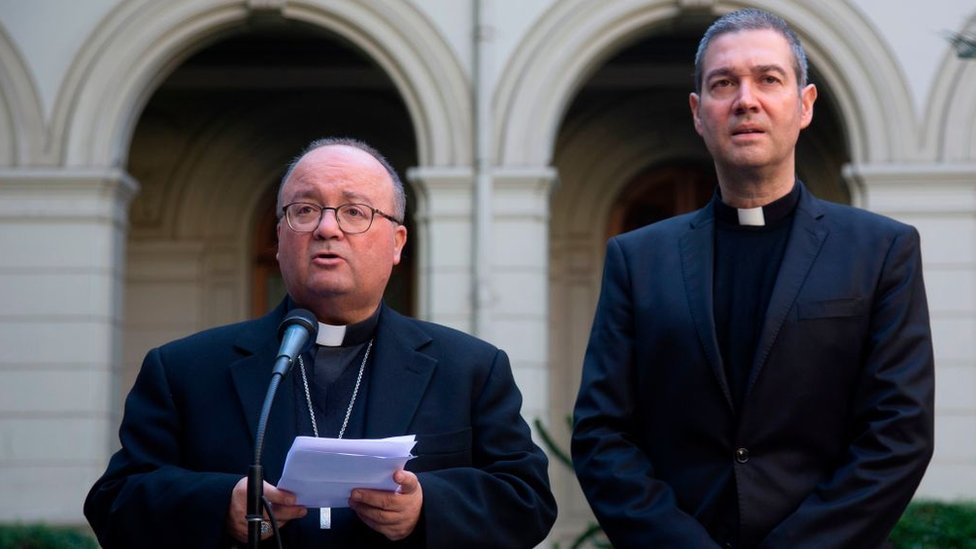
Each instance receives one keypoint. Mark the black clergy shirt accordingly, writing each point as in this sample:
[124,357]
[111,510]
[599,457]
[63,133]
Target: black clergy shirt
[747,260]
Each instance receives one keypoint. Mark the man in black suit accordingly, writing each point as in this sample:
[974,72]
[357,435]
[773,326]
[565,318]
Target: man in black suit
[187,434]
[759,372]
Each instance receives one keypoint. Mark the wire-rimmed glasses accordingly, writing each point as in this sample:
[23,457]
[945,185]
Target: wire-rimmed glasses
[304,217]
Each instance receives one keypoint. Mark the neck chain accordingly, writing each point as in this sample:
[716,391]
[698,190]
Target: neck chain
[352,400]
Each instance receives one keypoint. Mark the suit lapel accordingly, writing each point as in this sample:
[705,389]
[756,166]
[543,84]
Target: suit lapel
[251,376]
[697,259]
[400,375]
[804,244]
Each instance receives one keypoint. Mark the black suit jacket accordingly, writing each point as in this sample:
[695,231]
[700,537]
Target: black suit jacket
[188,435]
[836,427]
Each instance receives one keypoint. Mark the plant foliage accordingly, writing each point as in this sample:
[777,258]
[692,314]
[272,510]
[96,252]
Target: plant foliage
[42,536]
[936,525]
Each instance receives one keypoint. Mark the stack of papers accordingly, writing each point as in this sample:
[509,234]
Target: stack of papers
[322,472]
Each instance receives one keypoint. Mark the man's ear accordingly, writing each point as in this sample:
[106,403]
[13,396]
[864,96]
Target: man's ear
[694,101]
[399,241]
[277,238]
[807,97]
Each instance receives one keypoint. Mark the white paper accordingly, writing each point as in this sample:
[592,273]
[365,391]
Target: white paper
[322,472]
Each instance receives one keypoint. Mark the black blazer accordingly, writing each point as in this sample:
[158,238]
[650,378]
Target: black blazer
[188,434]
[836,427]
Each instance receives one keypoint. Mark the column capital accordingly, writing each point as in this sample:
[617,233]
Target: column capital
[541,178]
[66,194]
[912,173]
[898,189]
[442,191]
[441,176]
[523,192]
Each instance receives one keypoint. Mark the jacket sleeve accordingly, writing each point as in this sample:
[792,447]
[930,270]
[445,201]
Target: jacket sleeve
[892,420]
[634,508]
[503,499]
[145,499]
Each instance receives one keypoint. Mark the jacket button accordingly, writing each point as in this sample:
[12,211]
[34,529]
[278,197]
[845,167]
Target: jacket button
[742,455]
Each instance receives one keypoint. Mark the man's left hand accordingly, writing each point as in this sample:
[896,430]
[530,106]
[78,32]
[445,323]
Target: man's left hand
[393,514]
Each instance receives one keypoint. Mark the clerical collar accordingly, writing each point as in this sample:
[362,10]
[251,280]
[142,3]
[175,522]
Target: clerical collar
[776,210]
[350,334]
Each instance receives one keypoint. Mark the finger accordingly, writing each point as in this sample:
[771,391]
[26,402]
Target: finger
[394,526]
[282,504]
[236,524]
[376,515]
[275,495]
[284,513]
[408,482]
[382,499]
[372,524]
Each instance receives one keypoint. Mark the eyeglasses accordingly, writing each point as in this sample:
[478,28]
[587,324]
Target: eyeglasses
[304,217]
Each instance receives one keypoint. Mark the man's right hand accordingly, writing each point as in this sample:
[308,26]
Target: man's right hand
[282,502]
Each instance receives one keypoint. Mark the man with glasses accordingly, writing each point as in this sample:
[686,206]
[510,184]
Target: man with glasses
[478,479]
[759,372]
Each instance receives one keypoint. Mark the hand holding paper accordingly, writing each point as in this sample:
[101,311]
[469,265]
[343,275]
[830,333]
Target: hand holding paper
[393,514]
[322,472]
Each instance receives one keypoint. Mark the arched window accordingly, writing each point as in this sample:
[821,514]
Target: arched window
[661,192]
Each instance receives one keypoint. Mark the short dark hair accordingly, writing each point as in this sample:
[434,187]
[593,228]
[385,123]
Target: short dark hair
[752,19]
[399,195]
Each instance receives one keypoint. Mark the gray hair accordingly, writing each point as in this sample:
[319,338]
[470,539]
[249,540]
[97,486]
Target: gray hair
[752,19]
[399,195]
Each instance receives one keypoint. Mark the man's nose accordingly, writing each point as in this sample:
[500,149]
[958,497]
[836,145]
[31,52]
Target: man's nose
[328,226]
[745,98]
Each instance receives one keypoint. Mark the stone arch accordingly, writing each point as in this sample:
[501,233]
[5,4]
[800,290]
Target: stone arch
[574,37]
[586,156]
[137,46]
[950,134]
[21,115]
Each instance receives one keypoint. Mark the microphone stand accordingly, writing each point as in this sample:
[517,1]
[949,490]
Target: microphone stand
[255,473]
[297,331]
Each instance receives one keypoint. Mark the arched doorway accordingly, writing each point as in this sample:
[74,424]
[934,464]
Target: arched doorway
[661,192]
[209,151]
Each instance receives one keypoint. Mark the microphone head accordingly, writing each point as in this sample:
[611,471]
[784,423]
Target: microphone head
[300,318]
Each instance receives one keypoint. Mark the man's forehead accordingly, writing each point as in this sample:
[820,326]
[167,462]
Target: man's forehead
[750,69]
[341,157]
[349,168]
[307,189]
[746,49]
[341,161]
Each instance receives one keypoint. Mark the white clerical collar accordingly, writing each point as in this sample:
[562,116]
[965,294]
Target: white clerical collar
[329,335]
[752,217]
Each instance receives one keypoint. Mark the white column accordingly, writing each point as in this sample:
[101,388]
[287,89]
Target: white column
[62,235]
[166,297]
[444,248]
[575,286]
[520,280]
[940,200]
[518,308]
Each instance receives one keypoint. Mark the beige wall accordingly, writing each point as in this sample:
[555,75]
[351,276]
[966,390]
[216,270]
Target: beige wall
[75,76]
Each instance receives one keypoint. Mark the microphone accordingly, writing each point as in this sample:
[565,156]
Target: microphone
[297,332]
